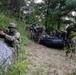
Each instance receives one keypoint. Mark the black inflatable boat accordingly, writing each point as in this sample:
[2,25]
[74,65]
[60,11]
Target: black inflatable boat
[52,41]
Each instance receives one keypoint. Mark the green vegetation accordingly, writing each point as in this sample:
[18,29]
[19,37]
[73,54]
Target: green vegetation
[51,13]
[74,71]
[19,66]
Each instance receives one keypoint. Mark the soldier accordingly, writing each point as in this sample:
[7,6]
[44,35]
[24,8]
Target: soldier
[40,30]
[64,35]
[32,29]
[58,33]
[12,38]
[73,35]
[69,38]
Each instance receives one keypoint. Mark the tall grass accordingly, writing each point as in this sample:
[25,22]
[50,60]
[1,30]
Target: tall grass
[19,67]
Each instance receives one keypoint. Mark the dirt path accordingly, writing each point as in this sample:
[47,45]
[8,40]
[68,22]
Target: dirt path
[48,61]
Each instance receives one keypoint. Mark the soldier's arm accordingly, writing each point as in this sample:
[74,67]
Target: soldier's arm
[17,36]
[7,36]
[11,38]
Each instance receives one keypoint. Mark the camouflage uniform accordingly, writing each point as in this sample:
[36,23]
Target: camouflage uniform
[40,30]
[32,30]
[36,32]
[13,39]
[74,41]
[69,38]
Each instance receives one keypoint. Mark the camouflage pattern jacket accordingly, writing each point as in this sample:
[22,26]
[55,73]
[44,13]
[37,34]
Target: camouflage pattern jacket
[13,39]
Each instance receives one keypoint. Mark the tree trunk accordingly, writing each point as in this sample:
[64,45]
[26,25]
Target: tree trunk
[59,22]
[47,15]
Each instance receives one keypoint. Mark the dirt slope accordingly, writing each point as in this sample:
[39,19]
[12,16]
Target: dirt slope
[48,61]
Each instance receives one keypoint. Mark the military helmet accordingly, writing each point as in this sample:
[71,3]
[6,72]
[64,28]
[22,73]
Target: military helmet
[72,25]
[69,27]
[12,25]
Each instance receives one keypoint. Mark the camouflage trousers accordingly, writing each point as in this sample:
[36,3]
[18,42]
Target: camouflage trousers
[14,54]
[71,47]
[74,44]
